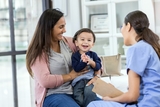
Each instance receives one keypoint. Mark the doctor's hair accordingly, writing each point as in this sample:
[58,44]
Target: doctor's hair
[139,21]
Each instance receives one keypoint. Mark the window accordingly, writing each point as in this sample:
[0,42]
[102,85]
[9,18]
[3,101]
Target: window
[18,19]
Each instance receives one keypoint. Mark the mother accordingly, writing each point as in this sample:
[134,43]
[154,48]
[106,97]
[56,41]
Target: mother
[48,61]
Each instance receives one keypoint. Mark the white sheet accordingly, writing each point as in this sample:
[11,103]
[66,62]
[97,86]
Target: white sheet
[120,82]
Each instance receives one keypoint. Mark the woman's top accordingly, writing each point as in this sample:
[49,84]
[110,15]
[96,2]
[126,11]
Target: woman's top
[143,60]
[60,63]
[42,77]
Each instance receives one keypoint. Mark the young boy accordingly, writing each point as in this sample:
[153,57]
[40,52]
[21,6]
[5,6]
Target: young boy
[84,39]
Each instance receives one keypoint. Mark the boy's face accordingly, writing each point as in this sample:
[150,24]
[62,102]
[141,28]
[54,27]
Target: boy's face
[84,41]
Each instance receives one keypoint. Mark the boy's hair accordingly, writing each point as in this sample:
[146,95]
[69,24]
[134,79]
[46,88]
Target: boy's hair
[84,30]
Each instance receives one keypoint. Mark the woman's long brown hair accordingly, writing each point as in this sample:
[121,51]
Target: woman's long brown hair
[41,41]
[139,21]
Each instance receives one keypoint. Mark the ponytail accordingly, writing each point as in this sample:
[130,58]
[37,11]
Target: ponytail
[151,38]
[139,21]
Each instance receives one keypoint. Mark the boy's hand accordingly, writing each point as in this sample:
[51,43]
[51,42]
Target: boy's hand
[85,58]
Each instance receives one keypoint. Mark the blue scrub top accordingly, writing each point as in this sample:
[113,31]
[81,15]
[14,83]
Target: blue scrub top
[143,60]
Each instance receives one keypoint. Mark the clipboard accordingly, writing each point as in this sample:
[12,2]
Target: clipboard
[103,89]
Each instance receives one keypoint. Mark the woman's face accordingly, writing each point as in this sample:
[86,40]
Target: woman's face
[125,33]
[59,29]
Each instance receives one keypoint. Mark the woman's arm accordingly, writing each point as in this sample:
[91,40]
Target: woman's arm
[42,74]
[72,75]
[133,92]
[45,79]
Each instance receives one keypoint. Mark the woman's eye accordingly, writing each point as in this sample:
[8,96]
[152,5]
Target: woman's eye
[61,27]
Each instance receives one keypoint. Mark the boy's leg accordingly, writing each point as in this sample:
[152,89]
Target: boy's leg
[78,92]
[89,95]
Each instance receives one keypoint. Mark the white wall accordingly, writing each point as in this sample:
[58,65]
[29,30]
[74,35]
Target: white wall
[73,19]
[157,16]
[149,11]
[73,14]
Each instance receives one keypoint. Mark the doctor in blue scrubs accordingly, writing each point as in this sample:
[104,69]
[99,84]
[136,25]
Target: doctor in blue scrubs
[143,65]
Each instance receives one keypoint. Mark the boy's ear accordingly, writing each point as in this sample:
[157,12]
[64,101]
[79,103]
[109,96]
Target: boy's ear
[76,42]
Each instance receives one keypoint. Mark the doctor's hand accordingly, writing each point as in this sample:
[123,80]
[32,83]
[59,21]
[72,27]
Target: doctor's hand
[107,98]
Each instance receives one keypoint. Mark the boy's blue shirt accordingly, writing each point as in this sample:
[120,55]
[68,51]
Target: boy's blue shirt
[79,65]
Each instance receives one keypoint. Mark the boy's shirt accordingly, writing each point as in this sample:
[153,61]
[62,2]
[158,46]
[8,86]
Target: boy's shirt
[79,65]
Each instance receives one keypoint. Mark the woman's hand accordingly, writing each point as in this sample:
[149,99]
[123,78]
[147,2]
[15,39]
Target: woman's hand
[95,77]
[92,80]
[74,74]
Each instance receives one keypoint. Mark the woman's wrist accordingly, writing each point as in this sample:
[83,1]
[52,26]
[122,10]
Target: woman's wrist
[98,74]
[67,78]
[71,78]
